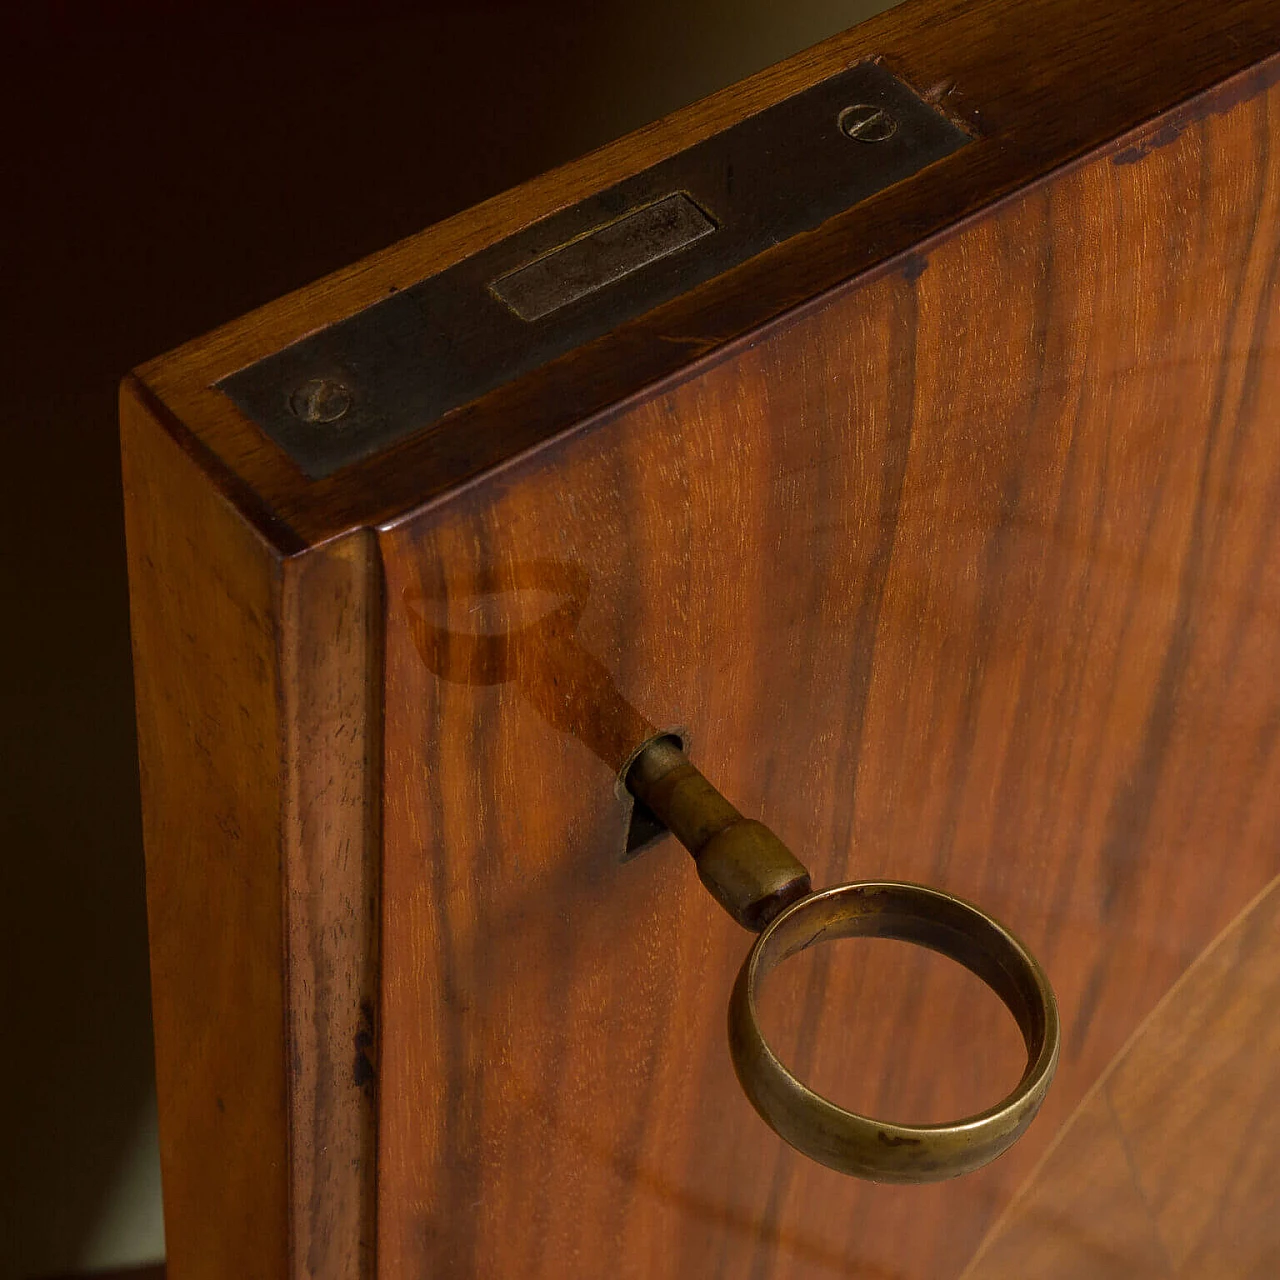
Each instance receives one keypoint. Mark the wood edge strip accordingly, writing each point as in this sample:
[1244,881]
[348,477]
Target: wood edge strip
[203,593]
[282,537]
[331,658]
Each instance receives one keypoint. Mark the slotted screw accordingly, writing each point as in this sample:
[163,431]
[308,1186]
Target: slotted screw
[866,123]
[321,400]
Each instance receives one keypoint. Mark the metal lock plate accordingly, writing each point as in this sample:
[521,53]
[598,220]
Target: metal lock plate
[349,390]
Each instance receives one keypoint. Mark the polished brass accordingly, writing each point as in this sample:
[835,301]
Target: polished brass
[876,1149]
[761,883]
[748,870]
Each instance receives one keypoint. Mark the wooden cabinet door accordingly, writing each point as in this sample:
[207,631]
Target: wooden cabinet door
[947,531]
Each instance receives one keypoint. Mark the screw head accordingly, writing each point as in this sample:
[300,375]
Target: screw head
[321,400]
[866,123]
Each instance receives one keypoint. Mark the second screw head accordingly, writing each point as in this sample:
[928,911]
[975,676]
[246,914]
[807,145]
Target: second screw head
[864,122]
[321,400]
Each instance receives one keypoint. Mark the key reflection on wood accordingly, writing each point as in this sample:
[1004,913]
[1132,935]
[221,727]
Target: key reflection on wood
[517,625]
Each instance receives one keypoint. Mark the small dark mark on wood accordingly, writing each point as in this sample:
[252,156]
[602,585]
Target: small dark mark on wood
[365,1074]
[1161,137]
[914,265]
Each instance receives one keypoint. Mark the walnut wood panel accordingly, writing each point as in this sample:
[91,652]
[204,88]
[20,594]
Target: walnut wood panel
[259,752]
[969,575]
[1040,83]
[202,600]
[1168,1167]
[331,615]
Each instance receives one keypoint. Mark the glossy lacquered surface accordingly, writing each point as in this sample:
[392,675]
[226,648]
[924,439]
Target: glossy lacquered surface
[967,576]
[947,537]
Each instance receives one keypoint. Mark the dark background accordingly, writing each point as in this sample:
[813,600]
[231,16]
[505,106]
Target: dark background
[162,174]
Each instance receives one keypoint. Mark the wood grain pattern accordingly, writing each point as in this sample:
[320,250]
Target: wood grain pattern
[202,603]
[1169,1166]
[331,623]
[1041,83]
[969,575]
[259,749]
[955,547]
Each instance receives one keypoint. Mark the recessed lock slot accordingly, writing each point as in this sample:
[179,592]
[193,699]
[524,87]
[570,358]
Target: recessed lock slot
[643,827]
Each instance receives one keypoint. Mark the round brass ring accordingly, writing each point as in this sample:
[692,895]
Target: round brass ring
[859,1145]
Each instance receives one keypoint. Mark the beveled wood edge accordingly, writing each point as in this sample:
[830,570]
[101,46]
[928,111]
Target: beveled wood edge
[325,622]
[240,1080]
[279,534]
[293,512]
[330,645]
